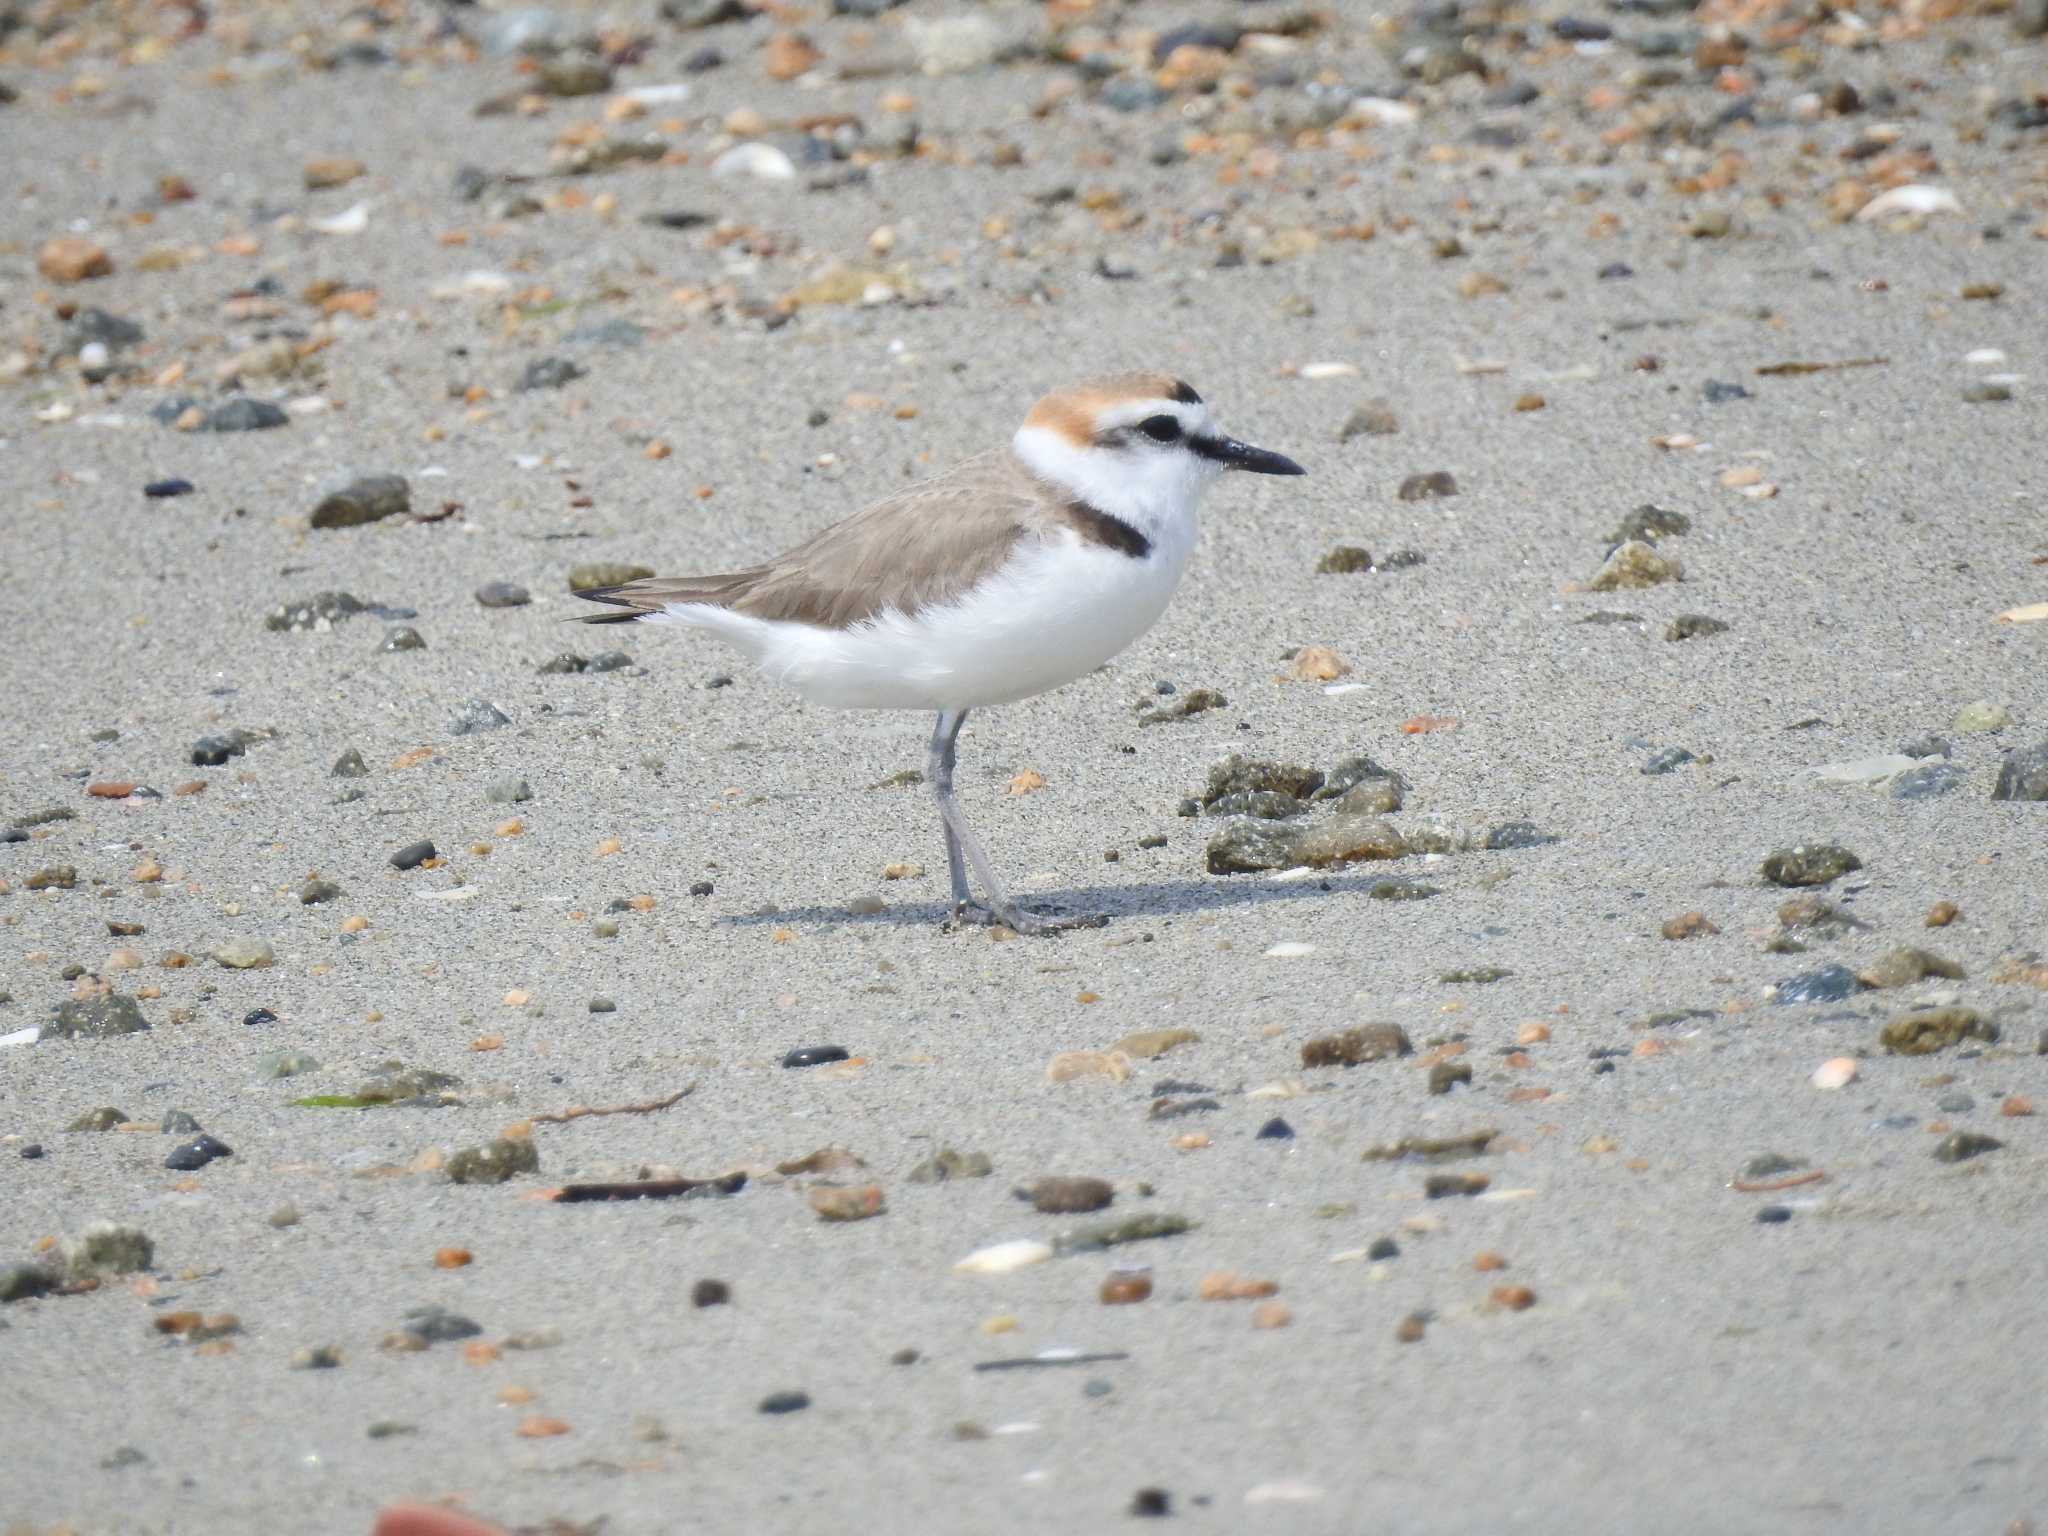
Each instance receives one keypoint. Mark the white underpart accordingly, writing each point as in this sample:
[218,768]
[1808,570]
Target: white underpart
[1055,612]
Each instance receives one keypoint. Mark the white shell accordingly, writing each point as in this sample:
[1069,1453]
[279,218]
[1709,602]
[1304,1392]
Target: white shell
[1004,1258]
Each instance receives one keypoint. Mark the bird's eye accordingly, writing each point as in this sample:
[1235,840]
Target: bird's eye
[1161,429]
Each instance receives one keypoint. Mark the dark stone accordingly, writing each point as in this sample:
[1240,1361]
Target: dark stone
[1614,271]
[437,1325]
[1927,780]
[494,1162]
[1809,864]
[1575,29]
[477,716]
[197,1153]
[256,1017]
[111,331]
[1446,1075]
[1774,1215]
[1383,1248]
[814,1055]
[323,610]
[158,490]
[213,751]
[1263,804]
[548,373]
[96,1018]
[178,1122]
[1716,392]
[785,1402]
[1961,1146]
[244,414]
[1129,94]
[710,1293]
[1344,560]
[1365,1042]
[1516,834]
[608,661]
[1275,1129]
[1694,626]
[1237,773]
[1426,487]
[1069,1196]
[2024,774]
[1665,760]
[413,855]
[700,888]
[566,664]
[1151,1504]
[349,765]
[1649,523]
[1250,846]
[353,501]
[1935,1029]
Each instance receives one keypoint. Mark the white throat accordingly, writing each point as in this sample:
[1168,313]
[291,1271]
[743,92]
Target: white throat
[1156,493]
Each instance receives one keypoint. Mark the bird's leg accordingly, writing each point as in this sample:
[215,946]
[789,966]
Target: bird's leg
[964,849]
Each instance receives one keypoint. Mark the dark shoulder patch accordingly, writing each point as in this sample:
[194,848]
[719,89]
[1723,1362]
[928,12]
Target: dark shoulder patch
[1184,392]
[1097,527]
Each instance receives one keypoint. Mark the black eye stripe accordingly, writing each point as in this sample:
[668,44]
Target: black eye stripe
[1161,429]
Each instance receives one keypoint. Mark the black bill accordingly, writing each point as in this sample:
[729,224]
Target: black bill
[1232,454]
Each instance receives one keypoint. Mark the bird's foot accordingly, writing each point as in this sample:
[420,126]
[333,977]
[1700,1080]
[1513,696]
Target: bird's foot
[975,914]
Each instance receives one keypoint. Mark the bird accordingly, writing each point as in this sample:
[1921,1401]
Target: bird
[1008,575]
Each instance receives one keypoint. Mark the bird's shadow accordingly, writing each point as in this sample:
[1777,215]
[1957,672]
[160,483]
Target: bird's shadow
[1130,900]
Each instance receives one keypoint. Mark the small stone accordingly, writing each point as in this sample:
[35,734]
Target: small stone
[197,1153]
[1961,1146]
[278,1065]
[1446,1075]
[508,791]
[814,1055]
[1935,1029]
[1635,564]
[1071,1066]
[437,1325]
[1516,834]
[55,877]
[1981,715]
[1249,846]
[164,490]
[1411,1329]
[710,1293]
[106,1248]
[1691,925]
[1448,1186]
[104,1119]
[1925,781]
[349,765]
[1809,864]
[948,1164]
[608,661]
[400,638]
[494,1163]
[2023,775]
[97,1018]
[73,259]
[1694,626]
[834,1202]
[314,1357]
[1347,839]
[244,414]
[1429,486]
[575,75]
[214,751]
[1829,984]
[602,1004]
[1773,1215]
[1344,560]
[1365,1042]
[476,716]
[1070,1196]
[1666,760]
[1375,418]
[1902,967]
[1514,1298]
[1650,522]
[413,855]
[1941,914]
[178,1122]
[503,594]
[1004,1258]
[351,501]
[1125,1285]
[1836,1072]
[245,954]
[1150,1044]
[548,373]
[785,1402]
[1275,1129]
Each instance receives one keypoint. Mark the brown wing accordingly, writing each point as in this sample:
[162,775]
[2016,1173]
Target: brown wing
[921,547]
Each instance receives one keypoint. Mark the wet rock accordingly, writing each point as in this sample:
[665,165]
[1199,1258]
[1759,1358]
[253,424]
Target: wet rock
[948,1164]
[1903,967]
[814,1055]
[605,573]
[103,1119]
[1635,564]
[1428,486]
[503,594]
[1238,773]
[106,1248]
[1250,847]
[1375,418]
[1694,626]
[244,414]
[1961,1146]
[349,765]
[548,373]
[245,954]
[476,716]
[197,1153]
[350,501]
[97,1018]
[1352,772]
[1365,1042]
[413,855]
[1809,864]
[2024,774]
[1925,781]
[1348,839]
[322,611]
[1829,984]
[1069,1196]
[1935,1029]
[494,1162]
[1265,804]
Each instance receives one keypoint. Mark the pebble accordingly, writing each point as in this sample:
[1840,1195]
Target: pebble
[73,259]
[1904,966]
[244,414]
[1069,1196]
[245,954]
[548,373]
[1809,864]
[495,1162]
[2023,775]
[21,1282]
[1961,1146]
[503,594]
[1981,715]
[197,1153]
[282,1064]
[710,1293]
[947,1164]
[1935,1029]
[1375,418]
[434,1324]
[314,1357]
[1829,984]
[106,1248]
[1428,486]
[1927,780]
[602,1004]
[834,1202]
[1004,1258]
[1635,564]
[178,1122]
[476,716]
[1070,1066]
[350,501]
[1773,1215]
[1836,1072]
[160,490]
[1275,1129]
[412,855]
[1694,626]
[1667,759]
[96,1018]
[1366,1042]
[815,1055]
[104,1119]
[785,1402]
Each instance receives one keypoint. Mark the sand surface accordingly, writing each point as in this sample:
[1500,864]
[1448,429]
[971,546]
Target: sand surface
[1871,1364]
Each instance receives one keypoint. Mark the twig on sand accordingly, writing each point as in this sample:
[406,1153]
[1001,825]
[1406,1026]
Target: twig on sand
[1767,1186]
[578,1111]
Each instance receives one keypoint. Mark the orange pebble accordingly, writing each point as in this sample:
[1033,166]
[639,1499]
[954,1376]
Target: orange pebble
[1532,1034]
[539,1427]
[1271,1314]
[1516,1298]
[478,1352]
[2016,1107]
[514,1397]
[452,1258]
[1487,1259]
[1121,1287]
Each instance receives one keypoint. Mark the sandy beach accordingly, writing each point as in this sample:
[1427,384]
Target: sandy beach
[1675,378]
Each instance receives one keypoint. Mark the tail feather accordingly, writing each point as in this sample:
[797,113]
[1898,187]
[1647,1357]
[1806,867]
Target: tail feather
[651,594]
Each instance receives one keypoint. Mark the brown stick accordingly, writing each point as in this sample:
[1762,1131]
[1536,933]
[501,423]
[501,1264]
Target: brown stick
[1767,1186]
[578,1111]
